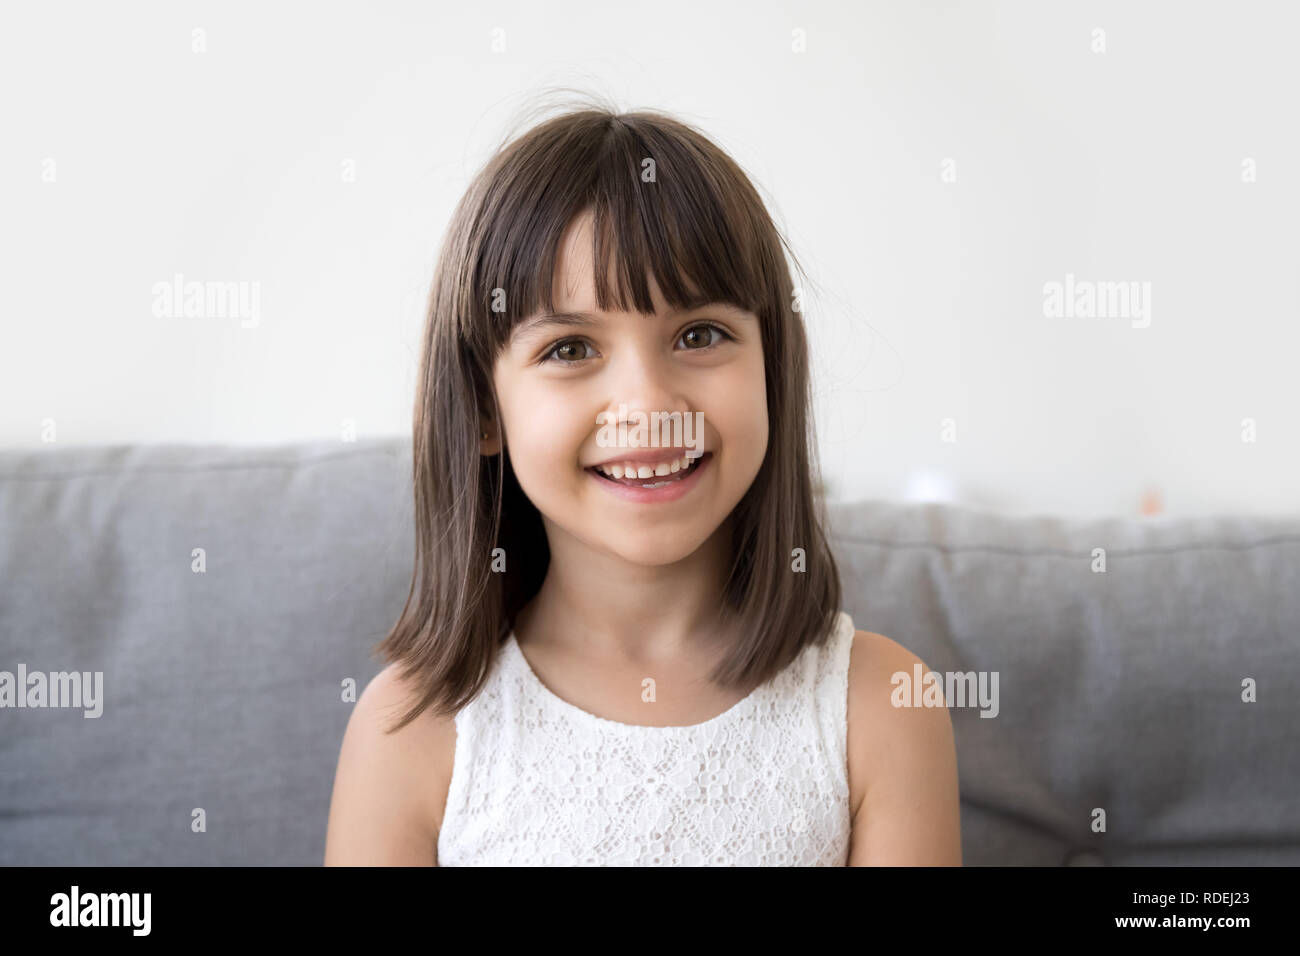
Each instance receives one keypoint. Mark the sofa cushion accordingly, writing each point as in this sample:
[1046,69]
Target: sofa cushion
[1119,690]
[222,689]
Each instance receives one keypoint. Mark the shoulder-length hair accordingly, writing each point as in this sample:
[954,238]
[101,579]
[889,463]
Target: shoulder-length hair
[665,198]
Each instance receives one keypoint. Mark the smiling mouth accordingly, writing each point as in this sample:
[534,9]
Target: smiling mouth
[653,482]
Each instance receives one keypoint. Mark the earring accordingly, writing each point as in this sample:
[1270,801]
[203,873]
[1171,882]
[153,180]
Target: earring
[485,436]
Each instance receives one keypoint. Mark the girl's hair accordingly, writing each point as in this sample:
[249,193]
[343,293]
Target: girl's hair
[663,198]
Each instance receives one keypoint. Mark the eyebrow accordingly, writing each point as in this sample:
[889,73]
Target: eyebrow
[539,325]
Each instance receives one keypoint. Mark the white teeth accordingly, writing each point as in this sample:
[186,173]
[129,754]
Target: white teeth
[631,470]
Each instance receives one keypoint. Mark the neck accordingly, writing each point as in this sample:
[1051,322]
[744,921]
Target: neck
[637,613]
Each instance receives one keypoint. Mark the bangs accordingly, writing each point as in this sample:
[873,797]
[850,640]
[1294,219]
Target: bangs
[664,202]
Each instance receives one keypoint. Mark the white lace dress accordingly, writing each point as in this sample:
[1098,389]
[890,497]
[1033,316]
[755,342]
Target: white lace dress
[539,782]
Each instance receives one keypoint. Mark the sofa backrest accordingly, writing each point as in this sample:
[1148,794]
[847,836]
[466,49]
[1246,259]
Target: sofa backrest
[1118,690]
[227,592]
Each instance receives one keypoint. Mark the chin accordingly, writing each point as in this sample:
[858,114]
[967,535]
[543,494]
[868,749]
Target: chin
[654,554]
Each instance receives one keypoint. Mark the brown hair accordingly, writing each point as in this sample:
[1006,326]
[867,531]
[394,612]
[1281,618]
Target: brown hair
[702,228]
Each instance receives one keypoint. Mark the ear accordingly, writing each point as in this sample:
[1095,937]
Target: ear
[489,442]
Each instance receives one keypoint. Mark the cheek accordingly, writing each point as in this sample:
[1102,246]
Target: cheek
[545,431]
[739,402]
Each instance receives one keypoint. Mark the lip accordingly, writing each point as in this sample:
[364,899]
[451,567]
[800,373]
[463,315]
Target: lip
[649,456]
[669,492]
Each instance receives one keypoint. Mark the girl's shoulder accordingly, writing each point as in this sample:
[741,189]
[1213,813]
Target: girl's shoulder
[895,750]
[390,788]
[875,663]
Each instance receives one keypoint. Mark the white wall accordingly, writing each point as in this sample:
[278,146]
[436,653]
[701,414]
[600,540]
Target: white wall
[129,158]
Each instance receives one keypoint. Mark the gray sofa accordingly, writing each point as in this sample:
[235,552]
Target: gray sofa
[1119,690]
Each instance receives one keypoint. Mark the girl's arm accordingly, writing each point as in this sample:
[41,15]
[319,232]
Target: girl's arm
[909,814]
[382,809]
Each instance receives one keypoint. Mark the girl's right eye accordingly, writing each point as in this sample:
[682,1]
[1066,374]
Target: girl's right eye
[567,343]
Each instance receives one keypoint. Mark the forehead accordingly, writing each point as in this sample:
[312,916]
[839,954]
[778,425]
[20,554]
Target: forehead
[573,285]
[569,298]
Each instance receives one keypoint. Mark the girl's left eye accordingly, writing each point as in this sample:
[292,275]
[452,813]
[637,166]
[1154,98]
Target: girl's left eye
[566,343]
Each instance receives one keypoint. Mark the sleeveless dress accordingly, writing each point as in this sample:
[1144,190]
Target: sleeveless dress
[537,781]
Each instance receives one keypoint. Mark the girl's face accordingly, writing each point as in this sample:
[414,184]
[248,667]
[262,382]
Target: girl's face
[550,399]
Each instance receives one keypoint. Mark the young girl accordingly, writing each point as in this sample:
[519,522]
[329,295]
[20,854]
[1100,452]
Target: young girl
[625,646]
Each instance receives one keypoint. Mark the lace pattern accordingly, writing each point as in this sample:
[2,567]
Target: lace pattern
[537,781]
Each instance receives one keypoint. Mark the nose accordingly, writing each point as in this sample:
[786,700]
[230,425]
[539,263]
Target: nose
[647,383]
